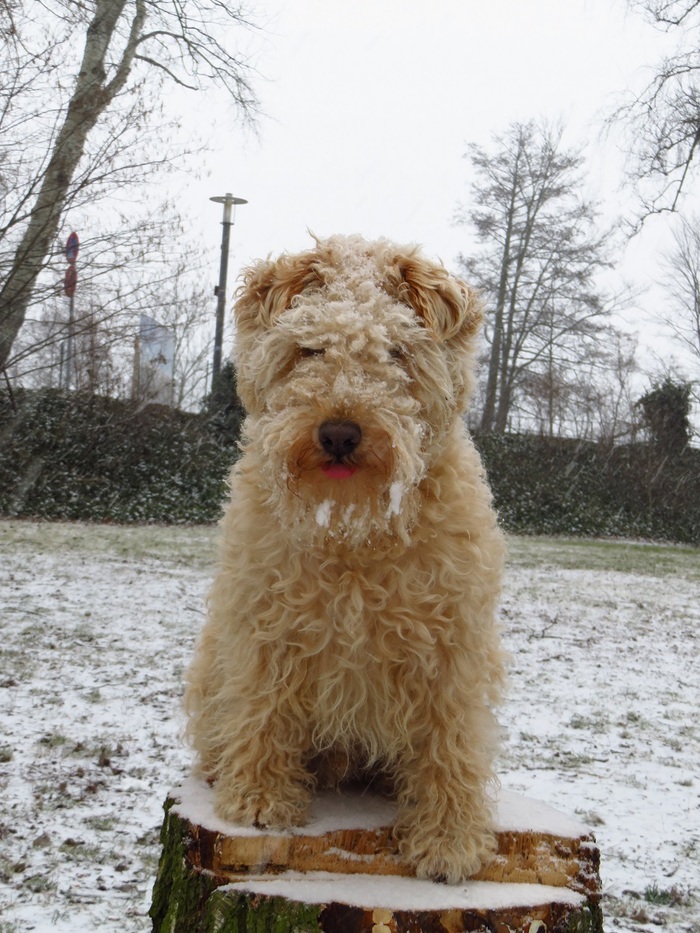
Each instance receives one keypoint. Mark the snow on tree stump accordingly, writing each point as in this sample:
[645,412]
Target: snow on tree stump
[340,873]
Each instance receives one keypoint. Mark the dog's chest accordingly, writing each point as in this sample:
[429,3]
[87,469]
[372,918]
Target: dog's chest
[378,656]
[376,619]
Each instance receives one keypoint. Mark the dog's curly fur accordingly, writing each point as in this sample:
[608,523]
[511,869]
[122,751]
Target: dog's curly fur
[351,624]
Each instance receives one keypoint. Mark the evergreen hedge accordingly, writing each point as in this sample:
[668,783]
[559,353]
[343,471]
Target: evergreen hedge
[101,459]
[562,486]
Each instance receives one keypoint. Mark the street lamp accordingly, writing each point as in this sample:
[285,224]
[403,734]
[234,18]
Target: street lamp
[228,201]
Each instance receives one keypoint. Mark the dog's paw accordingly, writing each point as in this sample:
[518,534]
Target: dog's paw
[263,809]
[448,857]
[446,867]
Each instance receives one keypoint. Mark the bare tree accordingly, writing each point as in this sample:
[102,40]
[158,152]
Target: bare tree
[94,367]
[127,44]
[122,280]
[130,258]
[682,282]
[664,119]
[101,347]
[537,266]
[592,399]
[614,411]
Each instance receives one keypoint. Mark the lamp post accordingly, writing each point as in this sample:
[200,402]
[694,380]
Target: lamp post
[228,201]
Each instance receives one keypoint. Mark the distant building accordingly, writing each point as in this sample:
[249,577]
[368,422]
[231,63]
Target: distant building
[154,357]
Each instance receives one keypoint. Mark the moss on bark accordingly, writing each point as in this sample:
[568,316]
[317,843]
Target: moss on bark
[179,893]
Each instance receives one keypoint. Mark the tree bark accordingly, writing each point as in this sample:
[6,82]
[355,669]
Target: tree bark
[233,882]
[497,337]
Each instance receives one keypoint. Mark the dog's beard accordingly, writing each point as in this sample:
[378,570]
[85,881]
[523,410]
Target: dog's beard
[376,505]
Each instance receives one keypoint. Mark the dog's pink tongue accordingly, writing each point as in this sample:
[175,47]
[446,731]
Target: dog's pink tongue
[338,470]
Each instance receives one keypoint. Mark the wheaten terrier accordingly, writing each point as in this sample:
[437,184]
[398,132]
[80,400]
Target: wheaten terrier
[351,624]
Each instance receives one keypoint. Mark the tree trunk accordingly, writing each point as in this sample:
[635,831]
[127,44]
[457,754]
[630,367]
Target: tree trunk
[91,97]
[341,874]
[497,336]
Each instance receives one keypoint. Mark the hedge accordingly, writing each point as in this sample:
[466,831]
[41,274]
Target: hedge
[562,486]
[102,459]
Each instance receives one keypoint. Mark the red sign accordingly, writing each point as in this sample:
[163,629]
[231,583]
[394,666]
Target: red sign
[70,281]
[72,247]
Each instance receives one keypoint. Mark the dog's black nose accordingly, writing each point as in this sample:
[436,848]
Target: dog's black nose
[339,438]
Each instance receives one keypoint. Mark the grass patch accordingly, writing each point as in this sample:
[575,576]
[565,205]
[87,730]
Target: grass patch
[39,884]
[598,725]
[656,560]
[53,740]
[192,545]
[103,824]
[665,897]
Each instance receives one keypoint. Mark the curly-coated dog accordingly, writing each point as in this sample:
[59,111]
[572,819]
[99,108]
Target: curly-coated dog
[351,624]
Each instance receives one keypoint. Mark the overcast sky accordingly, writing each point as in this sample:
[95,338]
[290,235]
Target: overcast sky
[369,104]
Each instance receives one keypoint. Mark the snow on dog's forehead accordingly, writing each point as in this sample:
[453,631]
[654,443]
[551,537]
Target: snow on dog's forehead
[349,307]
[377,319]
[354,257]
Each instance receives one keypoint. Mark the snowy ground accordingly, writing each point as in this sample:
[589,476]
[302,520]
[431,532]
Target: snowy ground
[98,623]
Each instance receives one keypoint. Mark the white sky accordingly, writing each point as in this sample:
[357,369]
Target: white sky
[369,105]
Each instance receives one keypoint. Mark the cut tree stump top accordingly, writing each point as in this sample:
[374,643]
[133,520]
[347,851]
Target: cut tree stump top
[344,864]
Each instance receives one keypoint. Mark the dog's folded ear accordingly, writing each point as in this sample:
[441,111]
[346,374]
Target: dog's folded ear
[268,288]
[447,307]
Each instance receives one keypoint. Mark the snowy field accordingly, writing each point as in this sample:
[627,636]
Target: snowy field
[98,624]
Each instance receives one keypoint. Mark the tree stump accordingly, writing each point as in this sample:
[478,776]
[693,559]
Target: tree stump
[340,873]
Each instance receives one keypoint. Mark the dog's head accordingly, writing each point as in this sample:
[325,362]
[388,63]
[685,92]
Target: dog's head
[354,361]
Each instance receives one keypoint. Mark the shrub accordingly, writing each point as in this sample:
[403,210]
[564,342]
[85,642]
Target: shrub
[563,486]
[101,459]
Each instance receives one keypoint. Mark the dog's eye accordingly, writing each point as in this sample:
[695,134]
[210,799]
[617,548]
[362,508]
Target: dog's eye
[396,353]
[305,352]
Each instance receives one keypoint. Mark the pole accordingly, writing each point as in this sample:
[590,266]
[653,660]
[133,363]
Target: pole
[221,288]
[69,285]
[228,201]
[69,349]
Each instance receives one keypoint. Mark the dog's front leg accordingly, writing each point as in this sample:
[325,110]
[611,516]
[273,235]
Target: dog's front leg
[444,825]
[261,780]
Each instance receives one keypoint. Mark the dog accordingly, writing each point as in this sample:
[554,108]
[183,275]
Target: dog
[351,631]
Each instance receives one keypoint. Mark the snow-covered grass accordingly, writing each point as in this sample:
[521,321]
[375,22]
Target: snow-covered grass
[98,623]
